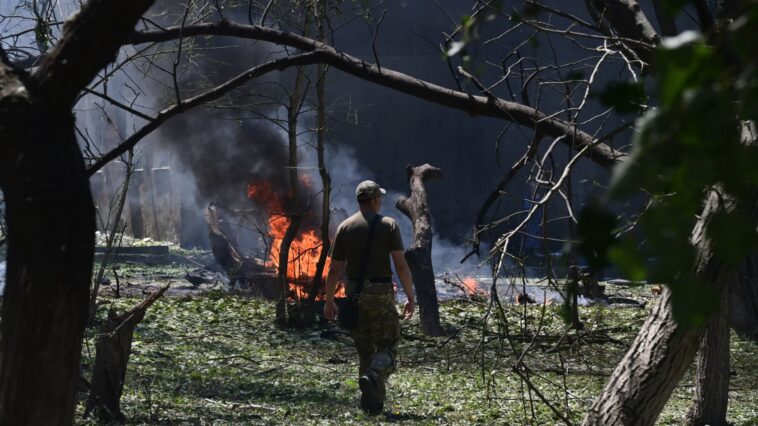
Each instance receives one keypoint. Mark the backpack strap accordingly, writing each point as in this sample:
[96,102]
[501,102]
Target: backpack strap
[364,262]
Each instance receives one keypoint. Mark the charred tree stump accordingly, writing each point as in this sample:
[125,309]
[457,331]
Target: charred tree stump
[113,347]
[224,250]
[419,254]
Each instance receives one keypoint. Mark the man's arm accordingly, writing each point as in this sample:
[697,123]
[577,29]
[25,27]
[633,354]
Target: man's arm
[406,279]
[335,271]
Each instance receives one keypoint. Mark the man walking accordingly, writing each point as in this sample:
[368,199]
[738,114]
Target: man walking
[378,331]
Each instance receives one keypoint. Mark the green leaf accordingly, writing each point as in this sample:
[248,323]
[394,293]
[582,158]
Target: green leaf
[692,302]
[595,228]
[673,7]
[624,96]
[733,237]
[631,261]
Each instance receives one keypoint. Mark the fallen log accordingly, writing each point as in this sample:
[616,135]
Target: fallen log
[419,253]
[113,346]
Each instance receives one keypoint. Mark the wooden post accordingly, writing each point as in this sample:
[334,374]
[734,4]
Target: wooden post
[136,221]
[97,187]
[419,254]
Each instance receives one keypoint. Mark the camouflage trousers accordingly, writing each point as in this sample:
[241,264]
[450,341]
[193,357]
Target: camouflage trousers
[378,333]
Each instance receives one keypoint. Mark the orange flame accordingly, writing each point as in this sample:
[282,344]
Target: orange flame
[470,286]
[305,248]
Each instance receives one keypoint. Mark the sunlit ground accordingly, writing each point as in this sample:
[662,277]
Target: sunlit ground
[219,359]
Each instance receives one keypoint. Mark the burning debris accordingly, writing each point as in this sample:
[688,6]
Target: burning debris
[239,268]
[469,286]
[304,248]
[261,275]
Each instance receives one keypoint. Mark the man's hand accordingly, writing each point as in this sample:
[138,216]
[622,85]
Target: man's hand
[335,270]
[406,279]
[408,309]
[330,310]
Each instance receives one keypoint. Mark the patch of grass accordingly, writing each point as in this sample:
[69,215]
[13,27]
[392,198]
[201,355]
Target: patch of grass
[219,359]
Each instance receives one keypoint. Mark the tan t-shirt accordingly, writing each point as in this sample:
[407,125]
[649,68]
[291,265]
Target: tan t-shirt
[350,241]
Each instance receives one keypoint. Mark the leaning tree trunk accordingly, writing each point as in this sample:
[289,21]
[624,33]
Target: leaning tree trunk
[113,347]
[712,377]
[652,367]
[419,254]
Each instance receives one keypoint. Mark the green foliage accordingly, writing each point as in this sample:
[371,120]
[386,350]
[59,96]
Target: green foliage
[690,143]
[732,236]
[596,226]
[468,28]
[467,33]
[624,97]
[672,7]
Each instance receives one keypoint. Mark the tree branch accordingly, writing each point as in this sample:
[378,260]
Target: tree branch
[91,40]
[479,226]
[627,19]
[599,153]
[215,93]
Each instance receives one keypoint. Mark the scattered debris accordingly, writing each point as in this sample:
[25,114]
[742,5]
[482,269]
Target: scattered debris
[624,301]
[522,298]
[204,276]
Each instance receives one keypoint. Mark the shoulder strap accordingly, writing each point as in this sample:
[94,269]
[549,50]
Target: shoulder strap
[364,262]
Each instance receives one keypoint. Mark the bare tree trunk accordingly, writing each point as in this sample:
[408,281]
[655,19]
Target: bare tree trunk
[51,228]
[293,207]
[113,347]
[712,378]
[419,254]
[647,375]
[743,306]
[326,182]
[744,291]
[50,216]
[572,287]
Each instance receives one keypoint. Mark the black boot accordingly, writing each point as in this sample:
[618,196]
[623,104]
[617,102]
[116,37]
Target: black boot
[372,397]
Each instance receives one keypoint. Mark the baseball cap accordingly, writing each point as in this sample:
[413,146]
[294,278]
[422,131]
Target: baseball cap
[368,189]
